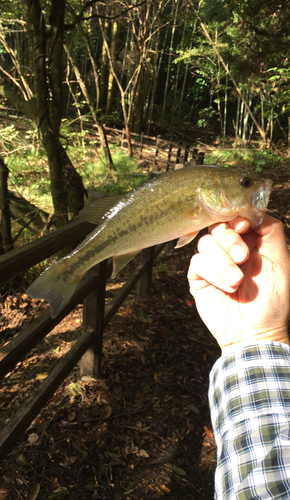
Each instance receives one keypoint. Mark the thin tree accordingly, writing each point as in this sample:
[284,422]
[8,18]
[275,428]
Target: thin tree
[83,87]
[6,243]
[261,131]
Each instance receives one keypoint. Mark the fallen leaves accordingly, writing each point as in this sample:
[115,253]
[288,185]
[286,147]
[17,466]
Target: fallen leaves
[34,491]
[33,438]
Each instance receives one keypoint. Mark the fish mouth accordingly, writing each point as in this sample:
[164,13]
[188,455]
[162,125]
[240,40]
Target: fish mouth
[259,201]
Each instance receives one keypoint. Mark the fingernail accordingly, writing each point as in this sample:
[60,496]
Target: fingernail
[233,275]
[237,253]
[240,225]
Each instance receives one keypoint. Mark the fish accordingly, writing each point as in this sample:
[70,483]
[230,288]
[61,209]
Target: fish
[174,205]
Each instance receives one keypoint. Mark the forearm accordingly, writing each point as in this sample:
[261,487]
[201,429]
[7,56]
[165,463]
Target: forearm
[249,399]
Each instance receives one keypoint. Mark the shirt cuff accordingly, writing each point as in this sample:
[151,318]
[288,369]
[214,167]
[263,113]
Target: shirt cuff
[250,381]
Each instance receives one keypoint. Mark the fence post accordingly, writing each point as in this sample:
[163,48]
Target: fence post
[200,158]
[186,151]
[168,157]
[144,282]
[194,154]
[178,153]
[93,319]
[141,146]
[157,148]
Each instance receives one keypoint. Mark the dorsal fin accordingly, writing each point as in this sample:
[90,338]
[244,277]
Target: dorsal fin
[95,211]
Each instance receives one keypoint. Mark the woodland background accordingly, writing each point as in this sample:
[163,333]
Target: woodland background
[209,70]
[73,75]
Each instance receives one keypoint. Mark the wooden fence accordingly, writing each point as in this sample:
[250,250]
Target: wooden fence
[96,317]
[166,152]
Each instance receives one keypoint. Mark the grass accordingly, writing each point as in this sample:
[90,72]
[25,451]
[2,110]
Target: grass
[29,172]
[251,158]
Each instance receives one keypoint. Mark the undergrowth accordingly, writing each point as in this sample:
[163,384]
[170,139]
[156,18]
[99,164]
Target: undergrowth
[260,160]
[29,173]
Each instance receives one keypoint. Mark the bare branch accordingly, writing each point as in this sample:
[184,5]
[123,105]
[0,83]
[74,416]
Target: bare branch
[80,17]
[26,90]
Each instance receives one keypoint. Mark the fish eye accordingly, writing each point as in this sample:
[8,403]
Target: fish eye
[246,182]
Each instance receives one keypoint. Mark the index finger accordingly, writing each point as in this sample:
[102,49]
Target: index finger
[230,241]
[239,224]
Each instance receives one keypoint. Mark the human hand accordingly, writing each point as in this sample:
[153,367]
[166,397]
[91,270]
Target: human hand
[240,280]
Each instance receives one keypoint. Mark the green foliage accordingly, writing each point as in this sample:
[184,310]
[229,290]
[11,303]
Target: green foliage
[28,170]
[29,173]
[249,158]
[205,116]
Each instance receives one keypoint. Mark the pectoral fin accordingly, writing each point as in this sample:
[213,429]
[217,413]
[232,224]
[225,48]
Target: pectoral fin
[184,240]
[120,261]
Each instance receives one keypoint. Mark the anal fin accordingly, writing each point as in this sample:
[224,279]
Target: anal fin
[120,261]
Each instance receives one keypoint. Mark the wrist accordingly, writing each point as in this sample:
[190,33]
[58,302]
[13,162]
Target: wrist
[279,335]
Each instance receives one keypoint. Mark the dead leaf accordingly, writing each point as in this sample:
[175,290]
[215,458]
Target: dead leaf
[8,480]
[103,385]
[34,491]
[41,376]
[79,448]
[126,312]
[75,389]
[208,432]
[33,438]
[86,378]
[21,460]
[106,412]
[156,378]
[142,453]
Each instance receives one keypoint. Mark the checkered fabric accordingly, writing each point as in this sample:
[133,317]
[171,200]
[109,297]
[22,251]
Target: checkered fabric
[249,397]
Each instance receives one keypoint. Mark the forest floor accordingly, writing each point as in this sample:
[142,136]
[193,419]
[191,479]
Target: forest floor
[141,431]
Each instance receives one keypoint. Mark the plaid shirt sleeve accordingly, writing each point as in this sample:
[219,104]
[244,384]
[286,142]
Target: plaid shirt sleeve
[249,397]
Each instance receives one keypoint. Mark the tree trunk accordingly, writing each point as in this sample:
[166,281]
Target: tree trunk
[111,79]
[66,184]
[225,112]
[103,77]
[5,224]
[174,12]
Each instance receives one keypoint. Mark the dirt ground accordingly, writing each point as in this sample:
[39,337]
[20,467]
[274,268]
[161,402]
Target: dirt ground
[142,431]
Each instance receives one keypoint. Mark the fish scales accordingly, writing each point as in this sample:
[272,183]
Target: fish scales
[175,205]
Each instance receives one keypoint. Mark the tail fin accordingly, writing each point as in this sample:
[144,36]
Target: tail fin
[54,288]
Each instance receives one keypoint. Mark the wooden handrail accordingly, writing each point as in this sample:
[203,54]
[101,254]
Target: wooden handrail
[17,261]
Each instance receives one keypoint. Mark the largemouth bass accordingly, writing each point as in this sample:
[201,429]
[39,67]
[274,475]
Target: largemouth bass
[174,205]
